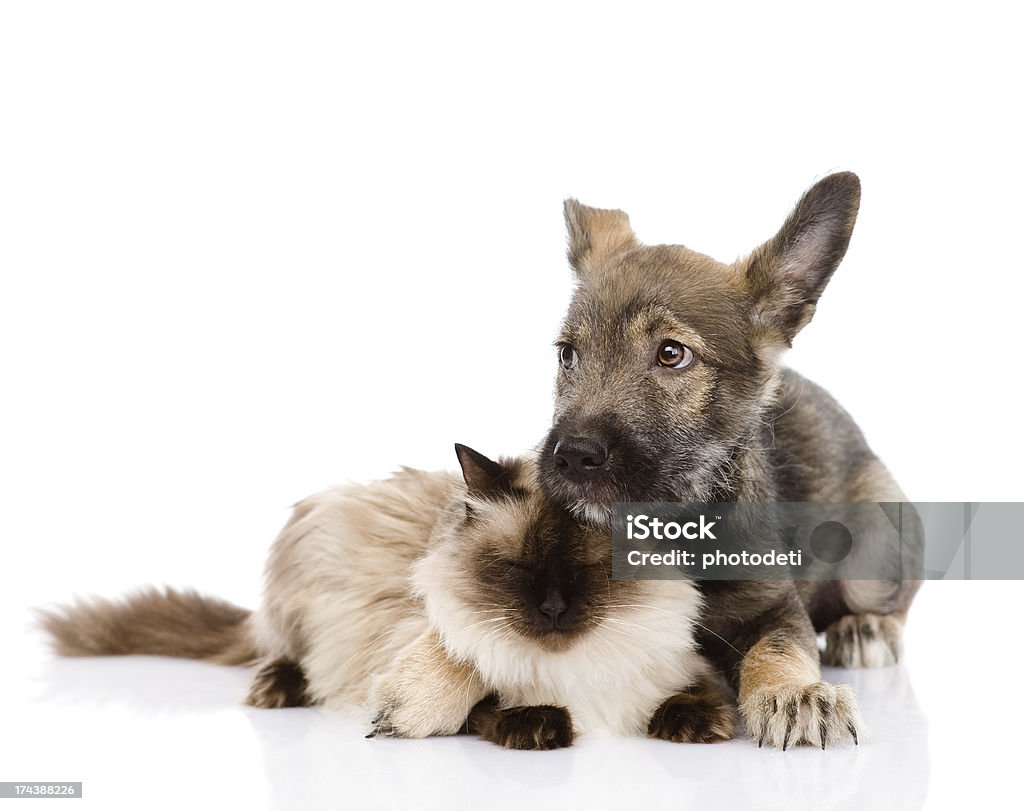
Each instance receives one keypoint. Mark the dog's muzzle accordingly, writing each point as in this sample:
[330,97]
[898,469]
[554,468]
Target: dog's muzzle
[579,459]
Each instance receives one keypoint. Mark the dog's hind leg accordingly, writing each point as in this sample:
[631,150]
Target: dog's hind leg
[864,640]
[866,629]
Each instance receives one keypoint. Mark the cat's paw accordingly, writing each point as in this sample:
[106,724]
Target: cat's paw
[405,708]
[280,683]
[819,714]
[693,718]
[398,718]
[412,716]
[425,693]
[539,727]
[863,640]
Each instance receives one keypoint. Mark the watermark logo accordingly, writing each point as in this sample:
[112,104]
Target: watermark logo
[643,527]
[818,541]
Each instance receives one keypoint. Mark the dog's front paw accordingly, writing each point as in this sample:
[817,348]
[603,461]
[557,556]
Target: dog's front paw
[696,718]
[863,640]
[819,714]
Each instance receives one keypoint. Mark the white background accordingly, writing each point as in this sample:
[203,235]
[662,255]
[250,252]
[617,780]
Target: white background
[250,249]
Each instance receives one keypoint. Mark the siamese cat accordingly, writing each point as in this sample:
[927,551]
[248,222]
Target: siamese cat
[442,605]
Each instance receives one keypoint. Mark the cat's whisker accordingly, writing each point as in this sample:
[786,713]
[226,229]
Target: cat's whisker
[640,605]
[668,611]
[483,622]
[492,632]
[626,622]
[717,636]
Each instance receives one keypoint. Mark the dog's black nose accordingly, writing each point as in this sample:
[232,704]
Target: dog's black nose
[554,605]
[579,458]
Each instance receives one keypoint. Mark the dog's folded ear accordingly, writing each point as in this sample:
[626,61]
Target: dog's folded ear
[595,235]
[787,274]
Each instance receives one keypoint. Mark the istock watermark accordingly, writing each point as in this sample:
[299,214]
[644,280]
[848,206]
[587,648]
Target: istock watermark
[819,541]
[642,527]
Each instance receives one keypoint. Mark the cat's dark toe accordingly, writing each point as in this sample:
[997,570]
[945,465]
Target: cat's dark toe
[281,683]
[686,718]
[533,728]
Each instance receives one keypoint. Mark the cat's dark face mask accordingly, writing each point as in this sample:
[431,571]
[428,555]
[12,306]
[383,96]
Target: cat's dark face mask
[532,568]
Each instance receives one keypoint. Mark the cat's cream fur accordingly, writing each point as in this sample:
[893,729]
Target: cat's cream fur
[363,585]
[385,596]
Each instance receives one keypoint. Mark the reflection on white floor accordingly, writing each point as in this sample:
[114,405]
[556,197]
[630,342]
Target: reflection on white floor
[188,716]
[161,733]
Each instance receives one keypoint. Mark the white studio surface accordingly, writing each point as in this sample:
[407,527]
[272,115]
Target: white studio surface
[249,250]
[163,733]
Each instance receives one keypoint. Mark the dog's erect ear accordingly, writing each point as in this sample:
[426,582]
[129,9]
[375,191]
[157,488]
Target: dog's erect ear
[483,476]
[595,234]
[787,274]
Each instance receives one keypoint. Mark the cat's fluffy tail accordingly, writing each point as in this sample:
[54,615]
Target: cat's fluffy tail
[161,622]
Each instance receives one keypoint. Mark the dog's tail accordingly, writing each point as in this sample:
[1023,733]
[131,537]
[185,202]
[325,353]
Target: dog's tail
[153,621]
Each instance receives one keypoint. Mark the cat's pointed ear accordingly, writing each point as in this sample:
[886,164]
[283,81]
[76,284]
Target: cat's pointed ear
[483,476]
[787,274]
[595,235]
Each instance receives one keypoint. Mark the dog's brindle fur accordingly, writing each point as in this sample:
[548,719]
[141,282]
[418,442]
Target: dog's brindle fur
[733,426]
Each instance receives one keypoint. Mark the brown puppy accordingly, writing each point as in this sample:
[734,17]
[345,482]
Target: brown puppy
[671,389]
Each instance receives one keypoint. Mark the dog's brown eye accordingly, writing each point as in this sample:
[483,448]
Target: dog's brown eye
[568,357]
[674,355]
